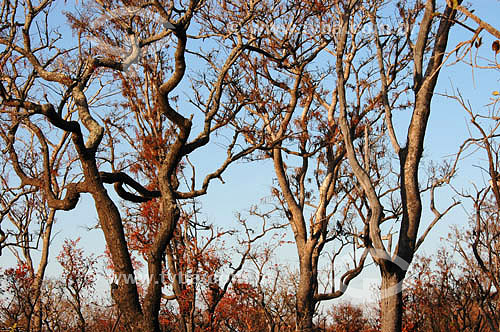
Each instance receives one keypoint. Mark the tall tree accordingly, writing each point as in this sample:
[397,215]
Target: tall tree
[64,85]
[390,48]
[294,128]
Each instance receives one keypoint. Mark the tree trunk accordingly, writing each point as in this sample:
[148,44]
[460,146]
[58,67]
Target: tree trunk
[304,315]
[305,301]
[124,293]
[391,302]
[39,278]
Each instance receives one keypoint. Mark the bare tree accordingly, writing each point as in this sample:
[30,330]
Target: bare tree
[390,49]
[67,86]
[479,245]
[26,217]
[295,128]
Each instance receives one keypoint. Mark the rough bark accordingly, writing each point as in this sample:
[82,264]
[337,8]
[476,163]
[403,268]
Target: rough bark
[391,302]
[305,296]
[125,294]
